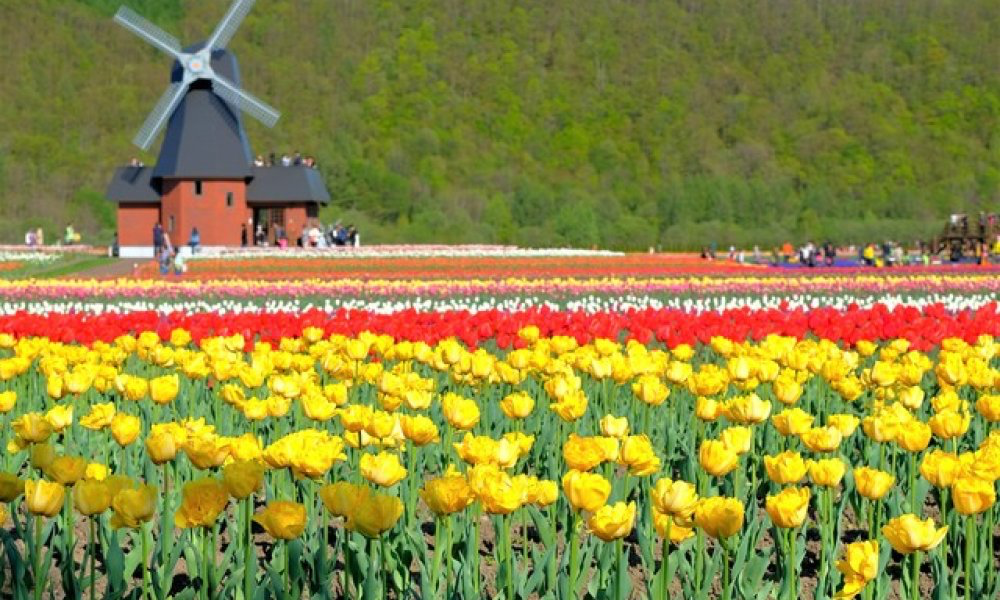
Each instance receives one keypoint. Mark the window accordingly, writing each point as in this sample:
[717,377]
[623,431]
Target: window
[312,210]
[170,224]
[229,199]
[197,187]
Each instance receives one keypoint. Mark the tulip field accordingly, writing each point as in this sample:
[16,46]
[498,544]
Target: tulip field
[501,429]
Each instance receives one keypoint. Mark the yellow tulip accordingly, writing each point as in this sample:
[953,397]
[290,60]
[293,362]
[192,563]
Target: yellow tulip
[787,390]
[822,439]
[161,447]
[988,405]
[341,497]
[738,439]
[501,494]
[912,397]
[60,417]
[96,472]
[612,426]
[42,456]
[100,416]
[133,506]
[949,424]
[637,453]
[788,508]
[827,472]
[784,468]
[32,428]
[747,409]
[972,495]
[668,525]
[858,566]
[585,491]
[204,452]
[716,458]
[651,390]
[583,453]
[202,500]
[164,389]
[11,487]
[243,478]
[792,421]
[66,470]
[872,483]
[719,517]
[847,424]
[545,492]
[675,498]
[91,497]
[461,413]
[908,534]
[612,522]
[44,498]
[7,401]
[383,469]
[707,409]
[282,520]
[517,405]
[125,428]
[446,495]
[376,516]
[940,468]
[914,437]
[419,429]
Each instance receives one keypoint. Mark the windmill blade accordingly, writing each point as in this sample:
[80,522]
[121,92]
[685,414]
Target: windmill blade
[230,23]
[137,24]
[161,112]
[244,101]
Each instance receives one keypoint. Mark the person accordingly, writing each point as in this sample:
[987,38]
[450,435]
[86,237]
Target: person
[286,161]
[157,239]
[868,255]
[40,237]
[195,240]
[353,239]
[259,161]
[29,238]
[261,236]
[297,159]
[180,267]
[243,235]
[829,253]
[166,258]
[115,250]
[72,237]
[786,252]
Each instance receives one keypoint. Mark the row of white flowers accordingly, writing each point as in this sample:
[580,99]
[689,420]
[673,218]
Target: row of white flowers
[32,256]
[589,304]
[398,251]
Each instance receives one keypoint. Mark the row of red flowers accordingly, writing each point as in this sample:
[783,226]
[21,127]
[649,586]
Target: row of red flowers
[924,328]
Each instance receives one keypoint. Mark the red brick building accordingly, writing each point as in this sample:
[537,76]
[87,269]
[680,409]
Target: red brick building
[204,176]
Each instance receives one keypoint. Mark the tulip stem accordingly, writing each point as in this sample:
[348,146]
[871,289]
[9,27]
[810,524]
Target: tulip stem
[915,577]
[249,562]
[438,551]
[727,592]
[913,484]
[969,532]
[37,567]
[574,552]
[619,571]
[508,556]
[665,561]
[145,560]
[91,553]
[447,557]
[793,583]
[288,570]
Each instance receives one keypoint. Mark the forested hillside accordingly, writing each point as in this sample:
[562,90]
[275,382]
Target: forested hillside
[622,124]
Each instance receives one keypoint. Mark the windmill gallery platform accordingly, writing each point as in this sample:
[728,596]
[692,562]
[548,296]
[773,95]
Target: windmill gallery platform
[204,177]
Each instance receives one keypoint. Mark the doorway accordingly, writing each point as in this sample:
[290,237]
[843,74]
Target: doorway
[269,225]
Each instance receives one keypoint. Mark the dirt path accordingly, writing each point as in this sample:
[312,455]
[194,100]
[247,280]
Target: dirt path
[123,267]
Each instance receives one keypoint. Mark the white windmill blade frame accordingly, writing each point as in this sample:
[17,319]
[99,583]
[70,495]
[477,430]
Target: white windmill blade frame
[143,28]
[245,101]
[227,27]
[160,114]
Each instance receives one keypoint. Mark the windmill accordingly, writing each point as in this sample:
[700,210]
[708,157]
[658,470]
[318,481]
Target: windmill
[195,64]
[204,178]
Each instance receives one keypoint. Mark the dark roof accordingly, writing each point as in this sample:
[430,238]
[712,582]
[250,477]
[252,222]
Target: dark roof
[286,184]
[205,137]
[133,184]
[269,185]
